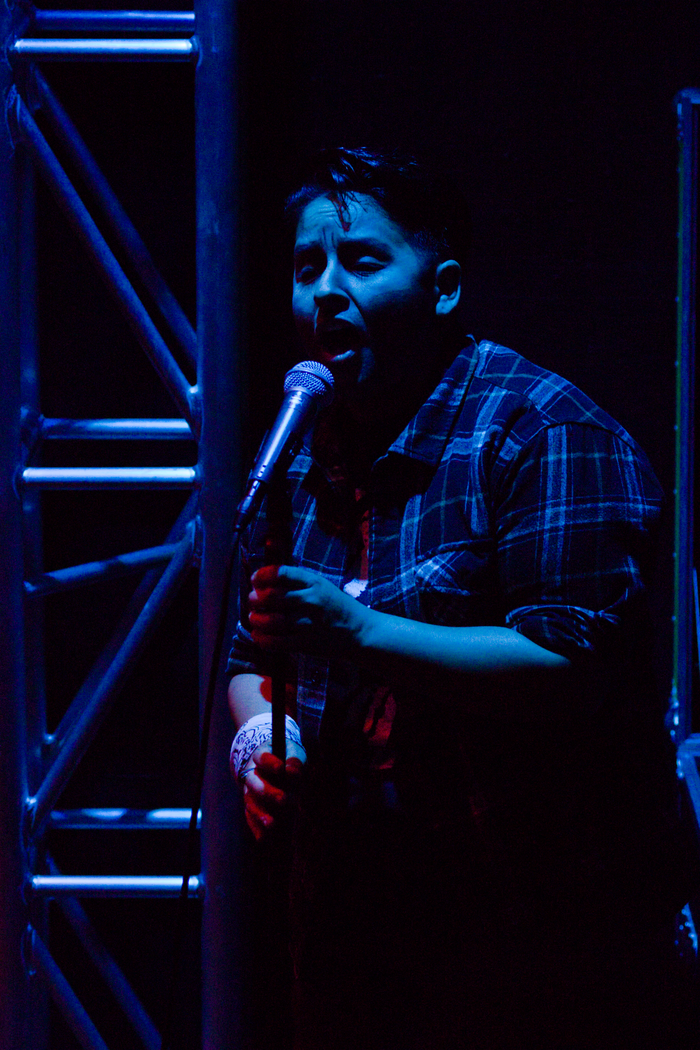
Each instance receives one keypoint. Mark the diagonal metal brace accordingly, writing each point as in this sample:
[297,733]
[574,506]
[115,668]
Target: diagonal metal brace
[69,201]
[63,995]
[97,571]
[54,743]
[97,706]
[107,966]
[119,222]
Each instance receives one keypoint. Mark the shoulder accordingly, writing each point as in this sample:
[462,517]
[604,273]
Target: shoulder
[502,375]
[510,394]
[519,419]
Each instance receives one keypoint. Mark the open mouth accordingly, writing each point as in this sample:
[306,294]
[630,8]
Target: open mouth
[337,342]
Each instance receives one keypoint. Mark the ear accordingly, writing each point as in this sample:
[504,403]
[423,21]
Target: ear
[448,287]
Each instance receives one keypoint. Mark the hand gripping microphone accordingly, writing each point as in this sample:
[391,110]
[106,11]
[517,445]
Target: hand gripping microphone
[308,387]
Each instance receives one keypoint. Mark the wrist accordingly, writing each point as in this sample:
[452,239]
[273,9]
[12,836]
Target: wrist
[255,733]
[364,630]
[370,637]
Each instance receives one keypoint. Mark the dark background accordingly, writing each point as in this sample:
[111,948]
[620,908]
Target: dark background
[558,122]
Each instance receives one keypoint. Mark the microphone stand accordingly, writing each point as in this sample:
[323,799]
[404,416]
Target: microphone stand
[277,857]
[278,551]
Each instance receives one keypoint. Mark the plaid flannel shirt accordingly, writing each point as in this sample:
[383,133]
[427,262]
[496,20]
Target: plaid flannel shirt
[510,499]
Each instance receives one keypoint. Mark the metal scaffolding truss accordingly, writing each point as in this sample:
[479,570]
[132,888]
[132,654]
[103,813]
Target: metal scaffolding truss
[36,767]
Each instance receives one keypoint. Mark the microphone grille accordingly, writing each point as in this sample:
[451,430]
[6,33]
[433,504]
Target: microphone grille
[313,377]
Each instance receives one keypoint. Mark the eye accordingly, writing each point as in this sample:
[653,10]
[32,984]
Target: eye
[308,264]
[364,262]
[305,274]
[367,264]
[364,258]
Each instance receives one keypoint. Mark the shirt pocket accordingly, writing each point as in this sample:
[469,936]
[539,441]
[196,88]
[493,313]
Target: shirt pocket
[455,585]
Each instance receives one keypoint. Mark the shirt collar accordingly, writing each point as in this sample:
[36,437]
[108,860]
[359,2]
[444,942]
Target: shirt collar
[425,437]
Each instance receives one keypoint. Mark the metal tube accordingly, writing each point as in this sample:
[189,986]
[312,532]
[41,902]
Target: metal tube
[104,259]
[34,642]
[81,733]
[687,102]
[114,885]
[115,429]
[15,1013]
[96,571]
[113,21]
[121,226]
[64,996]
[221,377]
[109,477]
[122,819]
[108,968]
[105,50]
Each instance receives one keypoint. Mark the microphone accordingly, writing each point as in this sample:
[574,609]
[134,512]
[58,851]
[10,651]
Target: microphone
[308,387]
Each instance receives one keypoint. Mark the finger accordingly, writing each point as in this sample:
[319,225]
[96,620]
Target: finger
[270,600]
[260,820]
[268,766]
[282,577]
[265,576]
[283,611]
[294,767]
[257,820]
[286,632]
[263,802]
[267,598]
[270,622]
[266,794]
[272,769]
[262,798]
[273,643]
[254,827]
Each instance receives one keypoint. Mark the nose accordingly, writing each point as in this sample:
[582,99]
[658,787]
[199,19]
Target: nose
[329,292]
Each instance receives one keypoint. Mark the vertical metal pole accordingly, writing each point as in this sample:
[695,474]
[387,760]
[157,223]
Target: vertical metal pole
[33,641]
[684,618]
[14,985]
[220,377]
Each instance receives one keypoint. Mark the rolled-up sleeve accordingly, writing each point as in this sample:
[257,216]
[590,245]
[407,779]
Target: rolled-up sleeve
[244,657]
[577,511]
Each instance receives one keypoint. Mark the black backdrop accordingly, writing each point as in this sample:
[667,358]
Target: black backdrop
[558,121]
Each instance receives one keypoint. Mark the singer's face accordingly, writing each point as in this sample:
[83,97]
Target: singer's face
[363,298]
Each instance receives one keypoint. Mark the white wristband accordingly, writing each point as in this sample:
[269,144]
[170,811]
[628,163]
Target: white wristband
[256,731]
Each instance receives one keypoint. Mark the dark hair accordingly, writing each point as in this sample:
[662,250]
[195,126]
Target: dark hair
[431,212]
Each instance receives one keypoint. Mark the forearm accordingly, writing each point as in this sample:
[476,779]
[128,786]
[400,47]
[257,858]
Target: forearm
[493,670]
[249,695]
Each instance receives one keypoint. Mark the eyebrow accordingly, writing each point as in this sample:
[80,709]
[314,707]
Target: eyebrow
[369,242]
[304,247]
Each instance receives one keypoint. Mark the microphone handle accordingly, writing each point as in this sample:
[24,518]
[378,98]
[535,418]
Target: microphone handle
[280,444]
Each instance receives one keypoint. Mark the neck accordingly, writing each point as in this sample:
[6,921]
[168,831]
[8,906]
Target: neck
[354,432]
[383,409]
